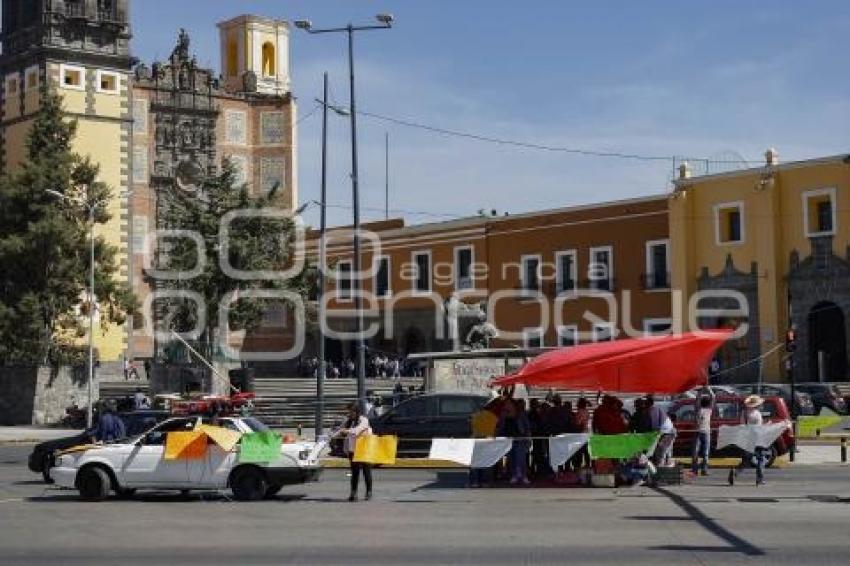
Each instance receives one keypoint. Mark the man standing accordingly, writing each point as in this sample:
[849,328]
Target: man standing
[110,427]
[662,424]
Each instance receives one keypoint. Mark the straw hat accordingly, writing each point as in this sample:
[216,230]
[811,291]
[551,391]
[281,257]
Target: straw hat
[753,401]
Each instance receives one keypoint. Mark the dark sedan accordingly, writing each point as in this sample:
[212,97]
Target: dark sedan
[136,422]
[418,420]
[436,415]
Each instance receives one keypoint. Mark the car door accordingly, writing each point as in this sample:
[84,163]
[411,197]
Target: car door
[146,466]
[214,469]
[411,422]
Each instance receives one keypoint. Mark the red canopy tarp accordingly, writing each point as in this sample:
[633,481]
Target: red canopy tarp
[665,364]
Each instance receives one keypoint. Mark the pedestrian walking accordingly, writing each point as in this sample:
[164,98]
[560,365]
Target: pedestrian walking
[702,440]
[356,426]
[752,417]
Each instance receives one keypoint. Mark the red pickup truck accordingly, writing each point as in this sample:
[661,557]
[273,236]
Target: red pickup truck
[728,410]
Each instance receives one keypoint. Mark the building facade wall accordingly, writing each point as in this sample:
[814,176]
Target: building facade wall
[773,231]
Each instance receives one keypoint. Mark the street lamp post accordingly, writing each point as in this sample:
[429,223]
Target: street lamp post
[90,207]
[385,22]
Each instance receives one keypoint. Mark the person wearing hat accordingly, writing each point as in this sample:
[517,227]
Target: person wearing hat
[752,417]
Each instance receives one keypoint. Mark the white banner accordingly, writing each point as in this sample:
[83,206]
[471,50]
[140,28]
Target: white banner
[565,446]
[748,437]
[458,450]
[488,451]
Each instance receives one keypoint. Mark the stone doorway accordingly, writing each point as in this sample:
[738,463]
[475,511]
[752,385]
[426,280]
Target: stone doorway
[827,335]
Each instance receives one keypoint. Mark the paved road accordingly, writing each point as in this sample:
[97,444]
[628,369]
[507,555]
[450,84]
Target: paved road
[423,517]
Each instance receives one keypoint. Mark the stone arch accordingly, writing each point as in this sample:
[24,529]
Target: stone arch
[827,341]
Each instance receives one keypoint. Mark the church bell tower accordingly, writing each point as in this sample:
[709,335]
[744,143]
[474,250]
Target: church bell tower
[255,55]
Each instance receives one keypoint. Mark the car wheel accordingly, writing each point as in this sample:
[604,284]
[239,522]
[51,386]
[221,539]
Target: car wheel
[273,490]
[126,493]
[93,484]
[45,475]
[249,484]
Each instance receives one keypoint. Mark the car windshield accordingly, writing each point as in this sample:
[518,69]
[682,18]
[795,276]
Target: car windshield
[255,425]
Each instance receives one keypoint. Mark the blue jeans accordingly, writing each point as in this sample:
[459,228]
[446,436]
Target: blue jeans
[519,459]
[702,445]
[761,459]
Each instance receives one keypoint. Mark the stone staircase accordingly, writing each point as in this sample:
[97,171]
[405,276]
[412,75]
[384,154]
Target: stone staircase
[291,402]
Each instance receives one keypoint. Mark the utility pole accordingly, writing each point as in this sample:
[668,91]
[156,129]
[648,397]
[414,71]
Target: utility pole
[385,22]
[386,175]
[320,376]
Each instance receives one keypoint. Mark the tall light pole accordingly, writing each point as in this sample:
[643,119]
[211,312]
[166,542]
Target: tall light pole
[385,22]
[90,207]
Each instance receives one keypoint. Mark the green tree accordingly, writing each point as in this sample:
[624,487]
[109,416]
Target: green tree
[254,244]
[44,248]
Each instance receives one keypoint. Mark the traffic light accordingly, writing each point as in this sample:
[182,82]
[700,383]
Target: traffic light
[790,340]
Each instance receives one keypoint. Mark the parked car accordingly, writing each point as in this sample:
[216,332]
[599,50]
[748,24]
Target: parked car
[803,404]
[825,395]
[432,415]
[728,410]
[136,422]
[139,463]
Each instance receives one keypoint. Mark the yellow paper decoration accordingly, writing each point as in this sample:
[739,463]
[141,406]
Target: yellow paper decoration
[225,438]
[190,445]
[374,449]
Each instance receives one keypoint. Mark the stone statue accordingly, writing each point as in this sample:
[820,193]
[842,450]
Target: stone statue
[182,50]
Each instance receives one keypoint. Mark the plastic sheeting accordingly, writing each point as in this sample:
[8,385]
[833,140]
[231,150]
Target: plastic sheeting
[666,364]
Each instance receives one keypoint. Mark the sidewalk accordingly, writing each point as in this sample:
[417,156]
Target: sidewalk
[33,434]
[811,454]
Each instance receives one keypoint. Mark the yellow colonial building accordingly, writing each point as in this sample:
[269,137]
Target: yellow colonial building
[79,48]
[779,235]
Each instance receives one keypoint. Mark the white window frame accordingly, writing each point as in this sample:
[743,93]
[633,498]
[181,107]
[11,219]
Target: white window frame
[832,199]
[524,271]
[648,322]
[413,283]
[340,296]
[65,68]
[534,332]
[456,267]
[377,264]
[562,332]
[609,326]
[28,72]
[100,74]
[649,267]
[591,262]
[559,276]
[739,204]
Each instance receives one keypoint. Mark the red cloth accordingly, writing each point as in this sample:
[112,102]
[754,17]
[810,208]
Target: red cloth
[668,364]
[607,419]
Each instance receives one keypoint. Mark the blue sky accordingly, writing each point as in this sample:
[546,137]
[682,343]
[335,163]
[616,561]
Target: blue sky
[651,77]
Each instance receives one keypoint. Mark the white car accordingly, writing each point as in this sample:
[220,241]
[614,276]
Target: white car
[139,463]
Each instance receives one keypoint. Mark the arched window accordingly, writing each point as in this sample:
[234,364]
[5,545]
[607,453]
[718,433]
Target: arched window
[232,58]
[269,63]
